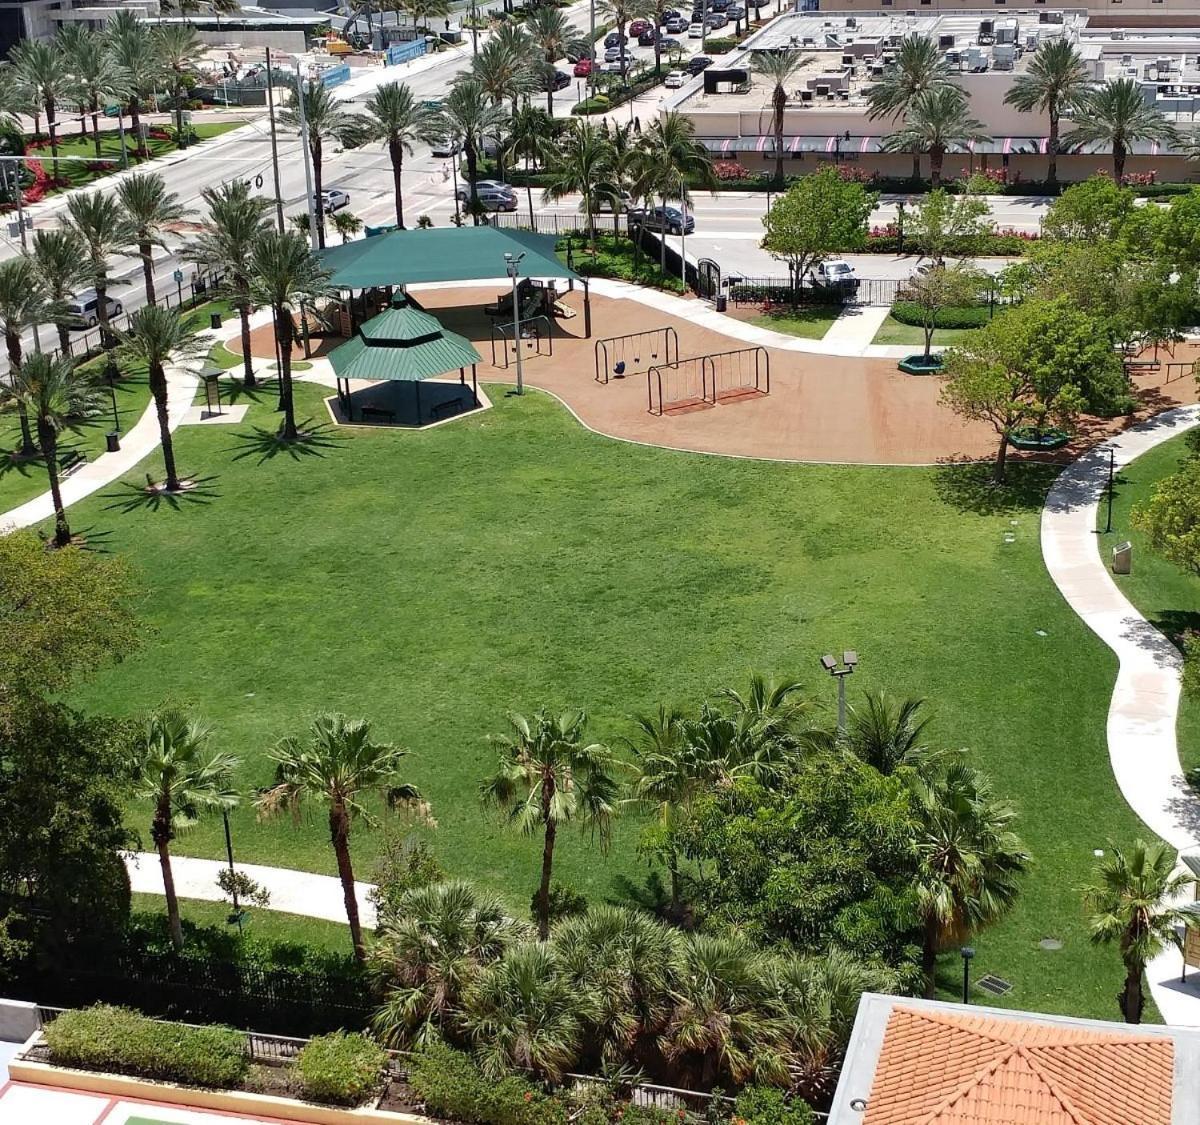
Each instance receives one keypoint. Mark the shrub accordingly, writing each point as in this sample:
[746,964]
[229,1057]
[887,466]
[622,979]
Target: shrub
[122,1041]
[953,316]
[765,1105]
[341,1068]
[565,902]
[597,103]
[1189,642]
[718,45]
[406,862]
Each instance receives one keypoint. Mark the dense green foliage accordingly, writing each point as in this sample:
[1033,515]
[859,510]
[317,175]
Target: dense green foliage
[820,216]
[953,316]
[1171,517]
[341,1068]
[765,1105]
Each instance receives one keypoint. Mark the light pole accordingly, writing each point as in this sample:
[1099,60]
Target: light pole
[513,267]
[839,672]
[683,232]
[314,240]
[900,228]
[238,914]
[113,439]
[1112,468]
[966,953]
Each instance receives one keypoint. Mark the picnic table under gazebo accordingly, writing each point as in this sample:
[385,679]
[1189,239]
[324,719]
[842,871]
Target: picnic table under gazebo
[404,344]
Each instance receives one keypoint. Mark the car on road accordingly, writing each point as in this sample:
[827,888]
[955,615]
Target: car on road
[636,27]
[494,200]
[497,186]
[583,68]
[676,25]
[668,44]
[837,274]
[669,219]
[612,200]
[334,199]
[674,79]
[555,80]
[614,54]
[697,63]
[615,39]
[445,146]
[83,310]
[715,20]
[612,68]
[647,37]
[696,31]
[718,5]
[736,12]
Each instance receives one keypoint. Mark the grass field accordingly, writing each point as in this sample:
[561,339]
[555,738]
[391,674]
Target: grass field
[431,581]
[891,331]
[1168,596]
[812,323]
[271,925]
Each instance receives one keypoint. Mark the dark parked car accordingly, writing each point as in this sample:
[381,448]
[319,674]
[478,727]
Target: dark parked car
[668,44]
[669,219]
[718,5]
[614,39]
[647,37]
[736,12]
[672,14]
[555,80]
[697,63]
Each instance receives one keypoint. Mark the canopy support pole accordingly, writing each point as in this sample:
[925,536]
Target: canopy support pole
[474,387]
[587,311]
[417,384]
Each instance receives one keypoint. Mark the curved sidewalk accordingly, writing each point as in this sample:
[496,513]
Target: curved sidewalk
[1145,699]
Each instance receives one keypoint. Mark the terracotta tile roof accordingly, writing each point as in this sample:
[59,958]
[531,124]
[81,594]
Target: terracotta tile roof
[938,1069]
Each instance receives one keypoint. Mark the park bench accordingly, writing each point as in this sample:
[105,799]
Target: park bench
[444,409]
[377,412]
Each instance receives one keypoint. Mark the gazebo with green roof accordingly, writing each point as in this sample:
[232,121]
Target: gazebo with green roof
[402,344]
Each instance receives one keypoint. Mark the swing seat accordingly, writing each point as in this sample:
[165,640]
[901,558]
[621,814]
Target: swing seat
[619,369]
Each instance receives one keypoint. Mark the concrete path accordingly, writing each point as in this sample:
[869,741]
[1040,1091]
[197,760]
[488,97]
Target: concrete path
[856,327]
[1145,700]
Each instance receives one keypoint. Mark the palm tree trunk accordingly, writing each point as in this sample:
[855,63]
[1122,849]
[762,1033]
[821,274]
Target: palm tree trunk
[673,869]
[161,832]
[49,440]
[95,108]
[529,193]
[64,338]
[935,168]
[158,388]
[1131,996]
[248,379]
[472,175]
[543,897]
[101,284]
[780,106]
[135,120]
[28,445]
[396,152]
[1052,149]
[283,334]
[662,241]
[1000,467]
[929,952]
[179,112]
[318,187]
[916,167]
[339,833]
[145,253]
[53,135]
[1118,162]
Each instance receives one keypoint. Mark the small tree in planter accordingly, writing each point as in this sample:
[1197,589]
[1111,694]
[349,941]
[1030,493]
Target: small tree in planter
[942,222]
[940,288]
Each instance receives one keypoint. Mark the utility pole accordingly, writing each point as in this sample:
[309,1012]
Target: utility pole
[274,145]
[314,241]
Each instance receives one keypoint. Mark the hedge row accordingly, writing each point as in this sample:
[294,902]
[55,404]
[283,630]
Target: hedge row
[122,1041]
[987,245]
[341,1069]
[953,316]
[745,294]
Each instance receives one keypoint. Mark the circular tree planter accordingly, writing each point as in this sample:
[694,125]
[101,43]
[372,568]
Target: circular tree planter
[919,365]
[1038,441]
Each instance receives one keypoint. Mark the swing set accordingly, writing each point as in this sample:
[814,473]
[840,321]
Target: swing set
[619,356]
[699,382]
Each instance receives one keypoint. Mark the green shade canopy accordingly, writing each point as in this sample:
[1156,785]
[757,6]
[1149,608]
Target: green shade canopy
[402,343]
[413,257]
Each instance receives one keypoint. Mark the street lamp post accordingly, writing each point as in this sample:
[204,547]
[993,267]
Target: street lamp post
[513,267]
[839,672]
[238,915]
[1112,469]
[314,238]
[900,227]
[113,439]
[966,953]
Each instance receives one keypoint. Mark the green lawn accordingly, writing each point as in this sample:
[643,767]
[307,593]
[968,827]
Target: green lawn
[1168,596]
[812,323]
[433,580]
[891,331]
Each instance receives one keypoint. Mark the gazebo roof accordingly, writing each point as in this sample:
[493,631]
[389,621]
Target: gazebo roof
[403,343]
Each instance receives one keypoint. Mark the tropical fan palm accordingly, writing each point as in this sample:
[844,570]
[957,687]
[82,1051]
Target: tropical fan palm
[469,115]
[937,119]
[1133,902]
[225,245]
[1117,115]
[323,118]
[135,55]
[57,397]
[61,266]
[888,734]
[429,951]
[179,50]
[1055,83]
[340,766]
[546,776]
[286,275]
[42,68]
[147,209]
[394,117]
[583,158]
[23,304]
[157,336]
[421,12]
[777,712]
[918,67]
[172,768]
[96,219]
[671,158]
[503,67]
[553,36]
[777,68]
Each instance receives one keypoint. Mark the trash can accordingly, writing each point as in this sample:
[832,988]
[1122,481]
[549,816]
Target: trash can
[722,302]
[1122,558]
[214,321]
[112,441]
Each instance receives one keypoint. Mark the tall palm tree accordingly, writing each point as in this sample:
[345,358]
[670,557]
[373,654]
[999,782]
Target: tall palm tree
[468,115]
[136,56]
[429,952]
[158,336]
[323,118]
[225,245]
[179,50]
[96,219]
[583,158]
[777,710]
[936,120]
[553,36]
[396,118]
[1055,83]
[546,776]
[505,69]
[23,304]
[421,12]
[60,262]
[616,12]
[172,767]
[530,136]
[919,67]
[57,397]
[1133,902]
[98,77]
[777,68]
[887,733]
[672,157]
[147,208]
[285,275]
[43,69]
[340,766]
[969,859]
[1117,115]
[524,1012]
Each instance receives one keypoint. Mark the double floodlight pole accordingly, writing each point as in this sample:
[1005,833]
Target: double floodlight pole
[512,266]
[839,671]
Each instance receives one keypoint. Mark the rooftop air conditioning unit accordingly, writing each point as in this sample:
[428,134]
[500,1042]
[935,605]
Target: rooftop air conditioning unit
[986,27]
[945,41]
[851,21]
[1004,56]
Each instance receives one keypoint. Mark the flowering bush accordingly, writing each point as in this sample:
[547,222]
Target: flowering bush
[728,170]
[851,173]
[994,175]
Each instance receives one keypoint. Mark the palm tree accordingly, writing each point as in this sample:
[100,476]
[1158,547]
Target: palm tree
[524,1012]
[530,136]
[323,117]
[346,224]
[394,117]
[136,56]
[23,304]
[547,777]
[969,859]
[918,68]
[429,953]
[225,245]
[97,75]
[286,275]
[583,158]
[505,71]
[672,157]
[936,120]
[41,67]
[158,336]
[1133,903]
[777,68]
[57,397]
[1055,83]
[553,36]
[147,208]
[60,262]
[1117,115]
[171,767]
[340,766]
[888,734]
[96,219]
[468,115]
[617,13]
[776,711]
[179,50]
[422,11]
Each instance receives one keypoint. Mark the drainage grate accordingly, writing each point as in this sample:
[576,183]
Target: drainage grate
[993,985]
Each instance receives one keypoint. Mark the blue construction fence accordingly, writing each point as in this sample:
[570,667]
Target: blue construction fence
[336,75]
[404,52]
